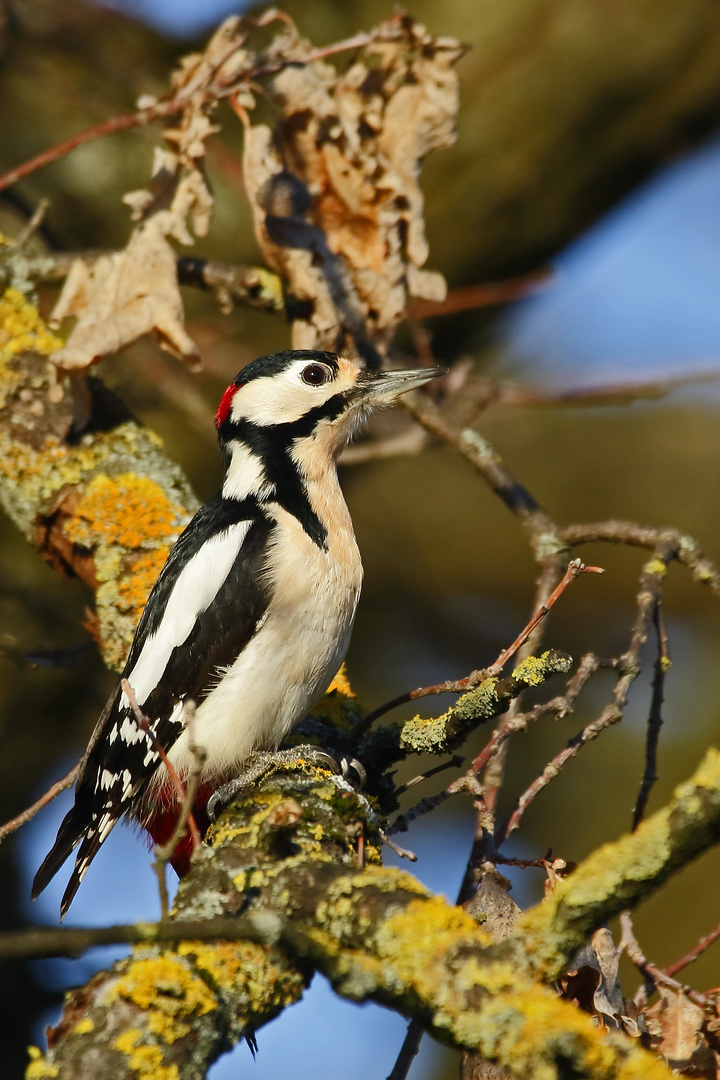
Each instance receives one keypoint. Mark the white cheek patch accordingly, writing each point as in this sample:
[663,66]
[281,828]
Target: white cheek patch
[276,399]
[285,398]
[195,589]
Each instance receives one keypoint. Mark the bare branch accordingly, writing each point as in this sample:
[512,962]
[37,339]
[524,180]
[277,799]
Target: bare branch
[692,955]
[655,720]
[27,815]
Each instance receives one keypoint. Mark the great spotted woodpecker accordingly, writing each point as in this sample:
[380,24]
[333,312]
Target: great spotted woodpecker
[251,615]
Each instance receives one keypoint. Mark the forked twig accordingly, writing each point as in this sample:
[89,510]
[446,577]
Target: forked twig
[460,686]
[648,598]
[651,972]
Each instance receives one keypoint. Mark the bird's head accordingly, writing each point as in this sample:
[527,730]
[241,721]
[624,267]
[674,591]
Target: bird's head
[300,408]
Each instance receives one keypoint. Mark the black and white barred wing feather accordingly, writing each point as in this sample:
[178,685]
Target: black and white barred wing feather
[204,609]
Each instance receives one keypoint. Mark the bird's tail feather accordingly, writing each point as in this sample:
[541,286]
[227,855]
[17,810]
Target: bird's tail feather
[69,836]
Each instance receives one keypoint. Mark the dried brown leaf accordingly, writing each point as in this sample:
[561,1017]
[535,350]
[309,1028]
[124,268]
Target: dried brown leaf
[677,1024]
[354,143]
[124,296]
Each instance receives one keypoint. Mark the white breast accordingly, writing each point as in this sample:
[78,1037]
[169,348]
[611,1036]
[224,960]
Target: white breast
[295,652]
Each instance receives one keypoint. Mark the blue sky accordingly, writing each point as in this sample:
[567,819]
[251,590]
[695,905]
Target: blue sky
[639,294]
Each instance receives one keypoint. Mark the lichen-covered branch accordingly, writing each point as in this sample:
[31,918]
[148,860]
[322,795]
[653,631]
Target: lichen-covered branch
[443,734]
[82,479]
[621,874]
[375,932]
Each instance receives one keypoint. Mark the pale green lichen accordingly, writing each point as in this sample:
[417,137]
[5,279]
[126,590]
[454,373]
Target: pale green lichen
[439,734]
[535,670]
[434,735]
[621,873]
[656,567]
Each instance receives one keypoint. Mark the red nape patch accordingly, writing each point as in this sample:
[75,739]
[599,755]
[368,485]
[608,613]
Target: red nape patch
[161,823]
[226,403]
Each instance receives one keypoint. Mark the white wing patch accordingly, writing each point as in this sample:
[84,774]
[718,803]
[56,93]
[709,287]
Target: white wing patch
[195,589]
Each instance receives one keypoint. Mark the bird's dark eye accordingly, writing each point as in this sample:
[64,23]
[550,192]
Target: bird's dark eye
[315,375]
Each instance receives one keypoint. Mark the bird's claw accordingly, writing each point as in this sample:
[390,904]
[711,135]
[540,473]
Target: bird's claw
[262,763]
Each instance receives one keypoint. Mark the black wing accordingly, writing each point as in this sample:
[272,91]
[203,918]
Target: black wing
[120,759]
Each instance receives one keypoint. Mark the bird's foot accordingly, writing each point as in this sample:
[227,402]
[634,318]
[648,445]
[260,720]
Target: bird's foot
[265,762]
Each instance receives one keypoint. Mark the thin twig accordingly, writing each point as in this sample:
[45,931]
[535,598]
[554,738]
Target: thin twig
[687,551]
[408,1051]
[51,793]
[50,941]
[460,686]
[691,956]
[470,297]
[575,568]
[403,444]
[425,806]
[493,392]
[649,970]
[454,763]
[144,725]
[169,106]
[648,597]
[403,853]
[655,720]
[31,226]
[165,852]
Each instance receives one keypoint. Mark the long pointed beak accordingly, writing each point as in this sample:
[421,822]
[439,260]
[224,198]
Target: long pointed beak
[381,387]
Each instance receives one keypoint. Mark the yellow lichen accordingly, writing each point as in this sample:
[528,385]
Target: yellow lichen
[167,1028]
[532,670]
[146,1061]
[225,962]
[341,683]
[164,983]
[128,510]
[21,328]
[427,927]
[39,1067]
[134,590]
[84,1026]
[246,973]
[656,567]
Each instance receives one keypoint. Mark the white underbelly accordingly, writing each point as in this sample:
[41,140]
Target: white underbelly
[292,657]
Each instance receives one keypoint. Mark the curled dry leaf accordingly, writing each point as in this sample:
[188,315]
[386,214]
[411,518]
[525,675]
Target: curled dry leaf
[135,291]
[350,238]
[593,984]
